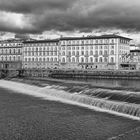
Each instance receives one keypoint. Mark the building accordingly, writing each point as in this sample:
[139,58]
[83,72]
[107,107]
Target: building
[11,54]
[41,54]
[93,52]
[135,58]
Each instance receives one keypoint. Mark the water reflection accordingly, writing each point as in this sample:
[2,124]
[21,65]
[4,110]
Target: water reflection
[116,83]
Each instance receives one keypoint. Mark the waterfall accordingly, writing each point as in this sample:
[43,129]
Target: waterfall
[58,93]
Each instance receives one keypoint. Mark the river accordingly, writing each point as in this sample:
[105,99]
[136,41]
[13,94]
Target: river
[25,117]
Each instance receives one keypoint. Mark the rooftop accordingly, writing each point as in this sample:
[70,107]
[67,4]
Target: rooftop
[41,41]
[95,37]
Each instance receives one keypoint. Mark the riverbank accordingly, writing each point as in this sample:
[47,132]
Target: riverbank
[82,74]
[26,117]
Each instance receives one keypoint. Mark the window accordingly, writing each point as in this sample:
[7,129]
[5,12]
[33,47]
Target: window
[63,53]
[69,59]
[96,52]
[82,52]
[77,48]
[91,47]
[69,53]
[112,52]
[63,60]
[101,60]
[91,52]
[105,59]
[73,53]
[77,59]
[55,59]
[112,60]
[101,52]
[82,60]
[96,59]
[105,52]
[91,59]
[18,58]
[73,60]
[77,53]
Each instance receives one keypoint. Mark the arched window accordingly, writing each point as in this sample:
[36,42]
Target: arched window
[14,58]
[40,59]
[63,60]
[55,59]
[105,59]
[112,60]
[86,60]
[73,60]
[44,59]
[82,60]
[51,59]
[91,59]
[69,59]
[48,59]
[96,59]
[77,59]
[33,59]
[101,60]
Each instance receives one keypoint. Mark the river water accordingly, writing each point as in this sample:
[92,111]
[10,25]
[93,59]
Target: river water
[27,113]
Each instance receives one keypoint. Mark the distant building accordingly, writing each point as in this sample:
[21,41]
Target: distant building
[41,54]
[135,58]
[97,52]
[11,55]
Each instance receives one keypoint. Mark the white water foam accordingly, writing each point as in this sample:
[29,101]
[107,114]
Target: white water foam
[48,93]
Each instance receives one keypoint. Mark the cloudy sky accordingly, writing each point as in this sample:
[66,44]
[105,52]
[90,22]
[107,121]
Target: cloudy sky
[70,16]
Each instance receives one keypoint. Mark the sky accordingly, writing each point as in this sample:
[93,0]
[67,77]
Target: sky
[52,18]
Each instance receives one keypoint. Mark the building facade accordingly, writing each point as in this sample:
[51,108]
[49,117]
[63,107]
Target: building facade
[97,52]
[92,52]
[41,54]
[11,55]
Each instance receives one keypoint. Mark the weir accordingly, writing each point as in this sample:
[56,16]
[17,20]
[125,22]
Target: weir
[97,103]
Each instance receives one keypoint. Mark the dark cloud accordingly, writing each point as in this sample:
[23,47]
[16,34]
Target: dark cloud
[71,15]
